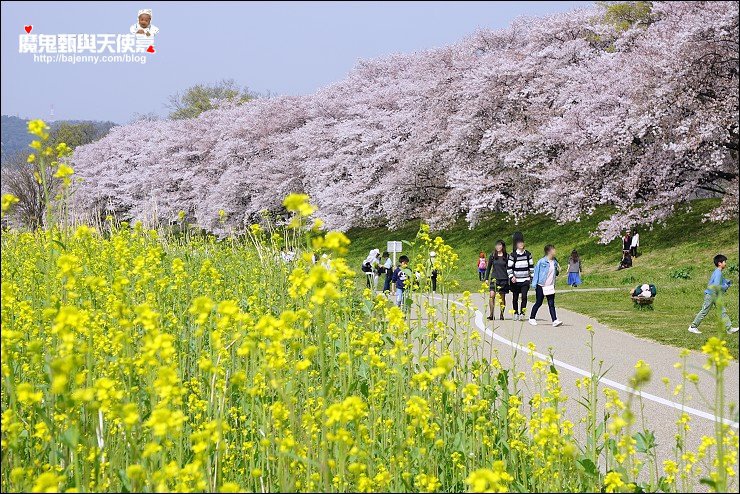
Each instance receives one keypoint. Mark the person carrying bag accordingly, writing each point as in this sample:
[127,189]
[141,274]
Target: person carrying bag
[545,272]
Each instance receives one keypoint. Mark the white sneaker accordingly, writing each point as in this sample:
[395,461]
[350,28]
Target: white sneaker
[516,317]
[533,322]
[556,323]
[694,330]
[732,330]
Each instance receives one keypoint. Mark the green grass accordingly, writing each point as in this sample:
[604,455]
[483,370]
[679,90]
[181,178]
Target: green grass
[682,248]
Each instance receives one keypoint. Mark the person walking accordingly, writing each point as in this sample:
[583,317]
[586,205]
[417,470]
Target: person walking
[402,277]
[717,285]
[543,282]
[433,270]
[574,269]
[481,265]
[634,243]
[519,270]
[498,278]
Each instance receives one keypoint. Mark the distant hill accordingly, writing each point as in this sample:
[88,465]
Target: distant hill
[15,136]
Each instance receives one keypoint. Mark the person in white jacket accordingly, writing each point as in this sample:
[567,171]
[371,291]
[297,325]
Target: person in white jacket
[370,268]
[635,244]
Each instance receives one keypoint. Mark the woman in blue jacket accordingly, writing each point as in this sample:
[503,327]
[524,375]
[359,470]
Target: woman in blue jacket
[543,281]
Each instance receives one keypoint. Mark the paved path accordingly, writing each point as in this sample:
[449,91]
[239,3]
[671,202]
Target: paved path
[619,352]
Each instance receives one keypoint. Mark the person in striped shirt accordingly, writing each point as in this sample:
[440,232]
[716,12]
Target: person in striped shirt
[520,269]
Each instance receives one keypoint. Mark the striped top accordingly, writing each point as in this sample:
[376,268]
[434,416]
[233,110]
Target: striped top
[520,266]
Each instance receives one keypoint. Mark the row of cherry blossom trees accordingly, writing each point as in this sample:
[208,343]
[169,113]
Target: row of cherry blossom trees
[554,115]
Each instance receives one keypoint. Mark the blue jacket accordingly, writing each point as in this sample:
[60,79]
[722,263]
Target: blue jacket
[541,269]
[717,283]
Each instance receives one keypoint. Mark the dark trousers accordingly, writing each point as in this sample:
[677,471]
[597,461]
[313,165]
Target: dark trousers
[387,281]
[434,280]
[633,251]
[520,287]
[539,298]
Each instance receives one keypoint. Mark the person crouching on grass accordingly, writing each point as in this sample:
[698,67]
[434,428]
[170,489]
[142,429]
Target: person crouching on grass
[402,278]
[717,285]
[543,280]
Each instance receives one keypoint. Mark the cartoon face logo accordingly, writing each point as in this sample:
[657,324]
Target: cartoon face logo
[144,26]
[403,276]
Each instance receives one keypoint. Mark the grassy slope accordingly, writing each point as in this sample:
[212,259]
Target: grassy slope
[684,242]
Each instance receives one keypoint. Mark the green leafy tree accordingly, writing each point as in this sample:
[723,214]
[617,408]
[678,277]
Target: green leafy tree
[624,15]
[74,134]
[202,97]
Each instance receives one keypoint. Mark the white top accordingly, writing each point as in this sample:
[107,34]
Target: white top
[372,257]
[388,263]
[550,279]
[635,240]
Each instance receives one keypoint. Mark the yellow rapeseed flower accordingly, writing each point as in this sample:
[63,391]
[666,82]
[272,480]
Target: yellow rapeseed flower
[38,128]
[63,171]
[613,481]
[717,354]
[7,201]
[298,203]
[495,479]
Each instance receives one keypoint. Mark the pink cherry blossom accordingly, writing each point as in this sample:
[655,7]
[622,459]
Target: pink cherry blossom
[554,115]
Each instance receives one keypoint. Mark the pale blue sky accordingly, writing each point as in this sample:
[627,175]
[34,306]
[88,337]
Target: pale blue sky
[281,47]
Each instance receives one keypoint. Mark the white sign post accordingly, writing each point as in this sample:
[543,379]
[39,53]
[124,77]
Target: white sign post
[393,247]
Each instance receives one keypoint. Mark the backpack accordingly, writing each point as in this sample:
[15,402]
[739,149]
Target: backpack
[366,268]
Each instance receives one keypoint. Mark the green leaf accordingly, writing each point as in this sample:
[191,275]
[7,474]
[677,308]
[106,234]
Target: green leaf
[503,379]
[589,467]
[71,437]
[367,307]
[457,441]
[363,370]
[418,333]
[645,441]
[600,430]
[64,247]
[711,483]
[125,481]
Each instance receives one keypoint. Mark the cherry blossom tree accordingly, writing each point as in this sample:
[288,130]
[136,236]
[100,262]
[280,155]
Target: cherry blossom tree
[554,115]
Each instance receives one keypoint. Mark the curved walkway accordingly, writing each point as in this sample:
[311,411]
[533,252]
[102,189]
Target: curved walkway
[618,352]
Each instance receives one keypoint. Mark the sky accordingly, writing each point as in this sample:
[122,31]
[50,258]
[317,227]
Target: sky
[276,47]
